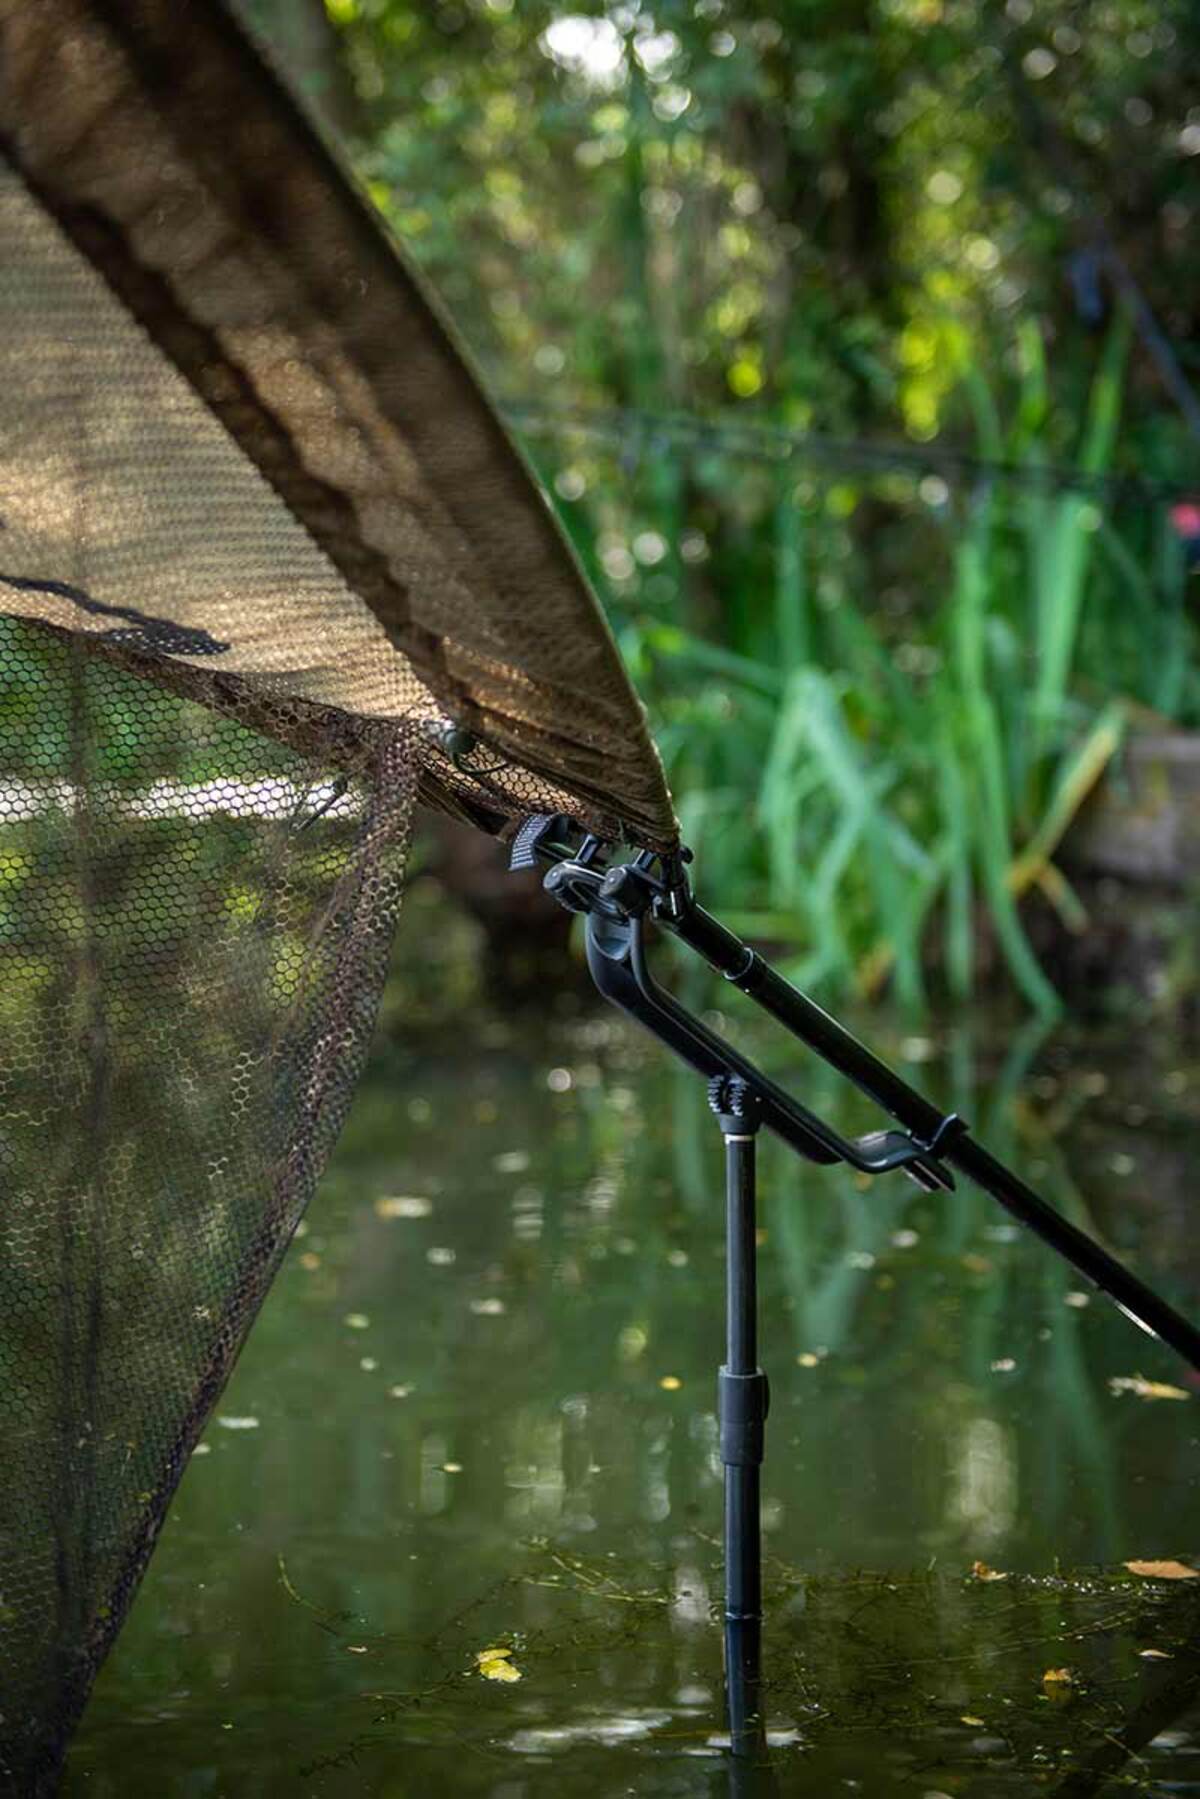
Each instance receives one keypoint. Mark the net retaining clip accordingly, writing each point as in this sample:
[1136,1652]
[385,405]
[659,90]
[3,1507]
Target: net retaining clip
[951,1127]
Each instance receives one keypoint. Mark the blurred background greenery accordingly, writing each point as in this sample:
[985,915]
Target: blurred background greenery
[854,341]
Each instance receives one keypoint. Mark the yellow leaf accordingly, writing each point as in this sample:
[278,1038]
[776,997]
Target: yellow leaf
[493,1655]
[1164,1570]
[1145,1389]
[981,1571]
[670,1383]
[499,1668]
[1058,1684]
[967,1719]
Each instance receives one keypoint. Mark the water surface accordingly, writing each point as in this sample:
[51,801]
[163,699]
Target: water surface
[477,1412]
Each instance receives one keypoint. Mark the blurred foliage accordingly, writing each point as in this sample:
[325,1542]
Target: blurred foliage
[882,687]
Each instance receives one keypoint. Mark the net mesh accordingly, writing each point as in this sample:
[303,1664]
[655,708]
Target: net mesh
[270,574]
[194,927]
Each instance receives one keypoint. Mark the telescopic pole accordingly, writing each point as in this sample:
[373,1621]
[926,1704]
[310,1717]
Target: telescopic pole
[742,1410]
[619,900]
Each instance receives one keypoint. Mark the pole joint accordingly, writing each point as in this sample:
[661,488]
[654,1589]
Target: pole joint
[743,1401]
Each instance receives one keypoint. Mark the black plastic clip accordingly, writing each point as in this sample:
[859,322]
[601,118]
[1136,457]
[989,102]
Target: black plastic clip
[578,884]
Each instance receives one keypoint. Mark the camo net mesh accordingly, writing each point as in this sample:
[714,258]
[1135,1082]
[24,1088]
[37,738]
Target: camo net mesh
[269,574]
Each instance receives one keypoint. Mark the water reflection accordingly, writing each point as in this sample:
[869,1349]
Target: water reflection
[485,1387]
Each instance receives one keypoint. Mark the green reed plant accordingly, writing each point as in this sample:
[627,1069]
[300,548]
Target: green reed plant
[877,792]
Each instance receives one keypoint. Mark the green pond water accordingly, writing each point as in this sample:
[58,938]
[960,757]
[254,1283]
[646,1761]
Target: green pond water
[477,1412]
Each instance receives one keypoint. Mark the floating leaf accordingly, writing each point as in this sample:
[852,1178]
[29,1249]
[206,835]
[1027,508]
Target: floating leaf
[1163,1570]
[1058,1684]
[499,1671]
[1145,1389]
[1154,1655]
[968,1719]
[497,1664]
[981,1571]
[670,1383]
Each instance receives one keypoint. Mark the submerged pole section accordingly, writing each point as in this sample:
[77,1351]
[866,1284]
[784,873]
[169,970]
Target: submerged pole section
[742,1411]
